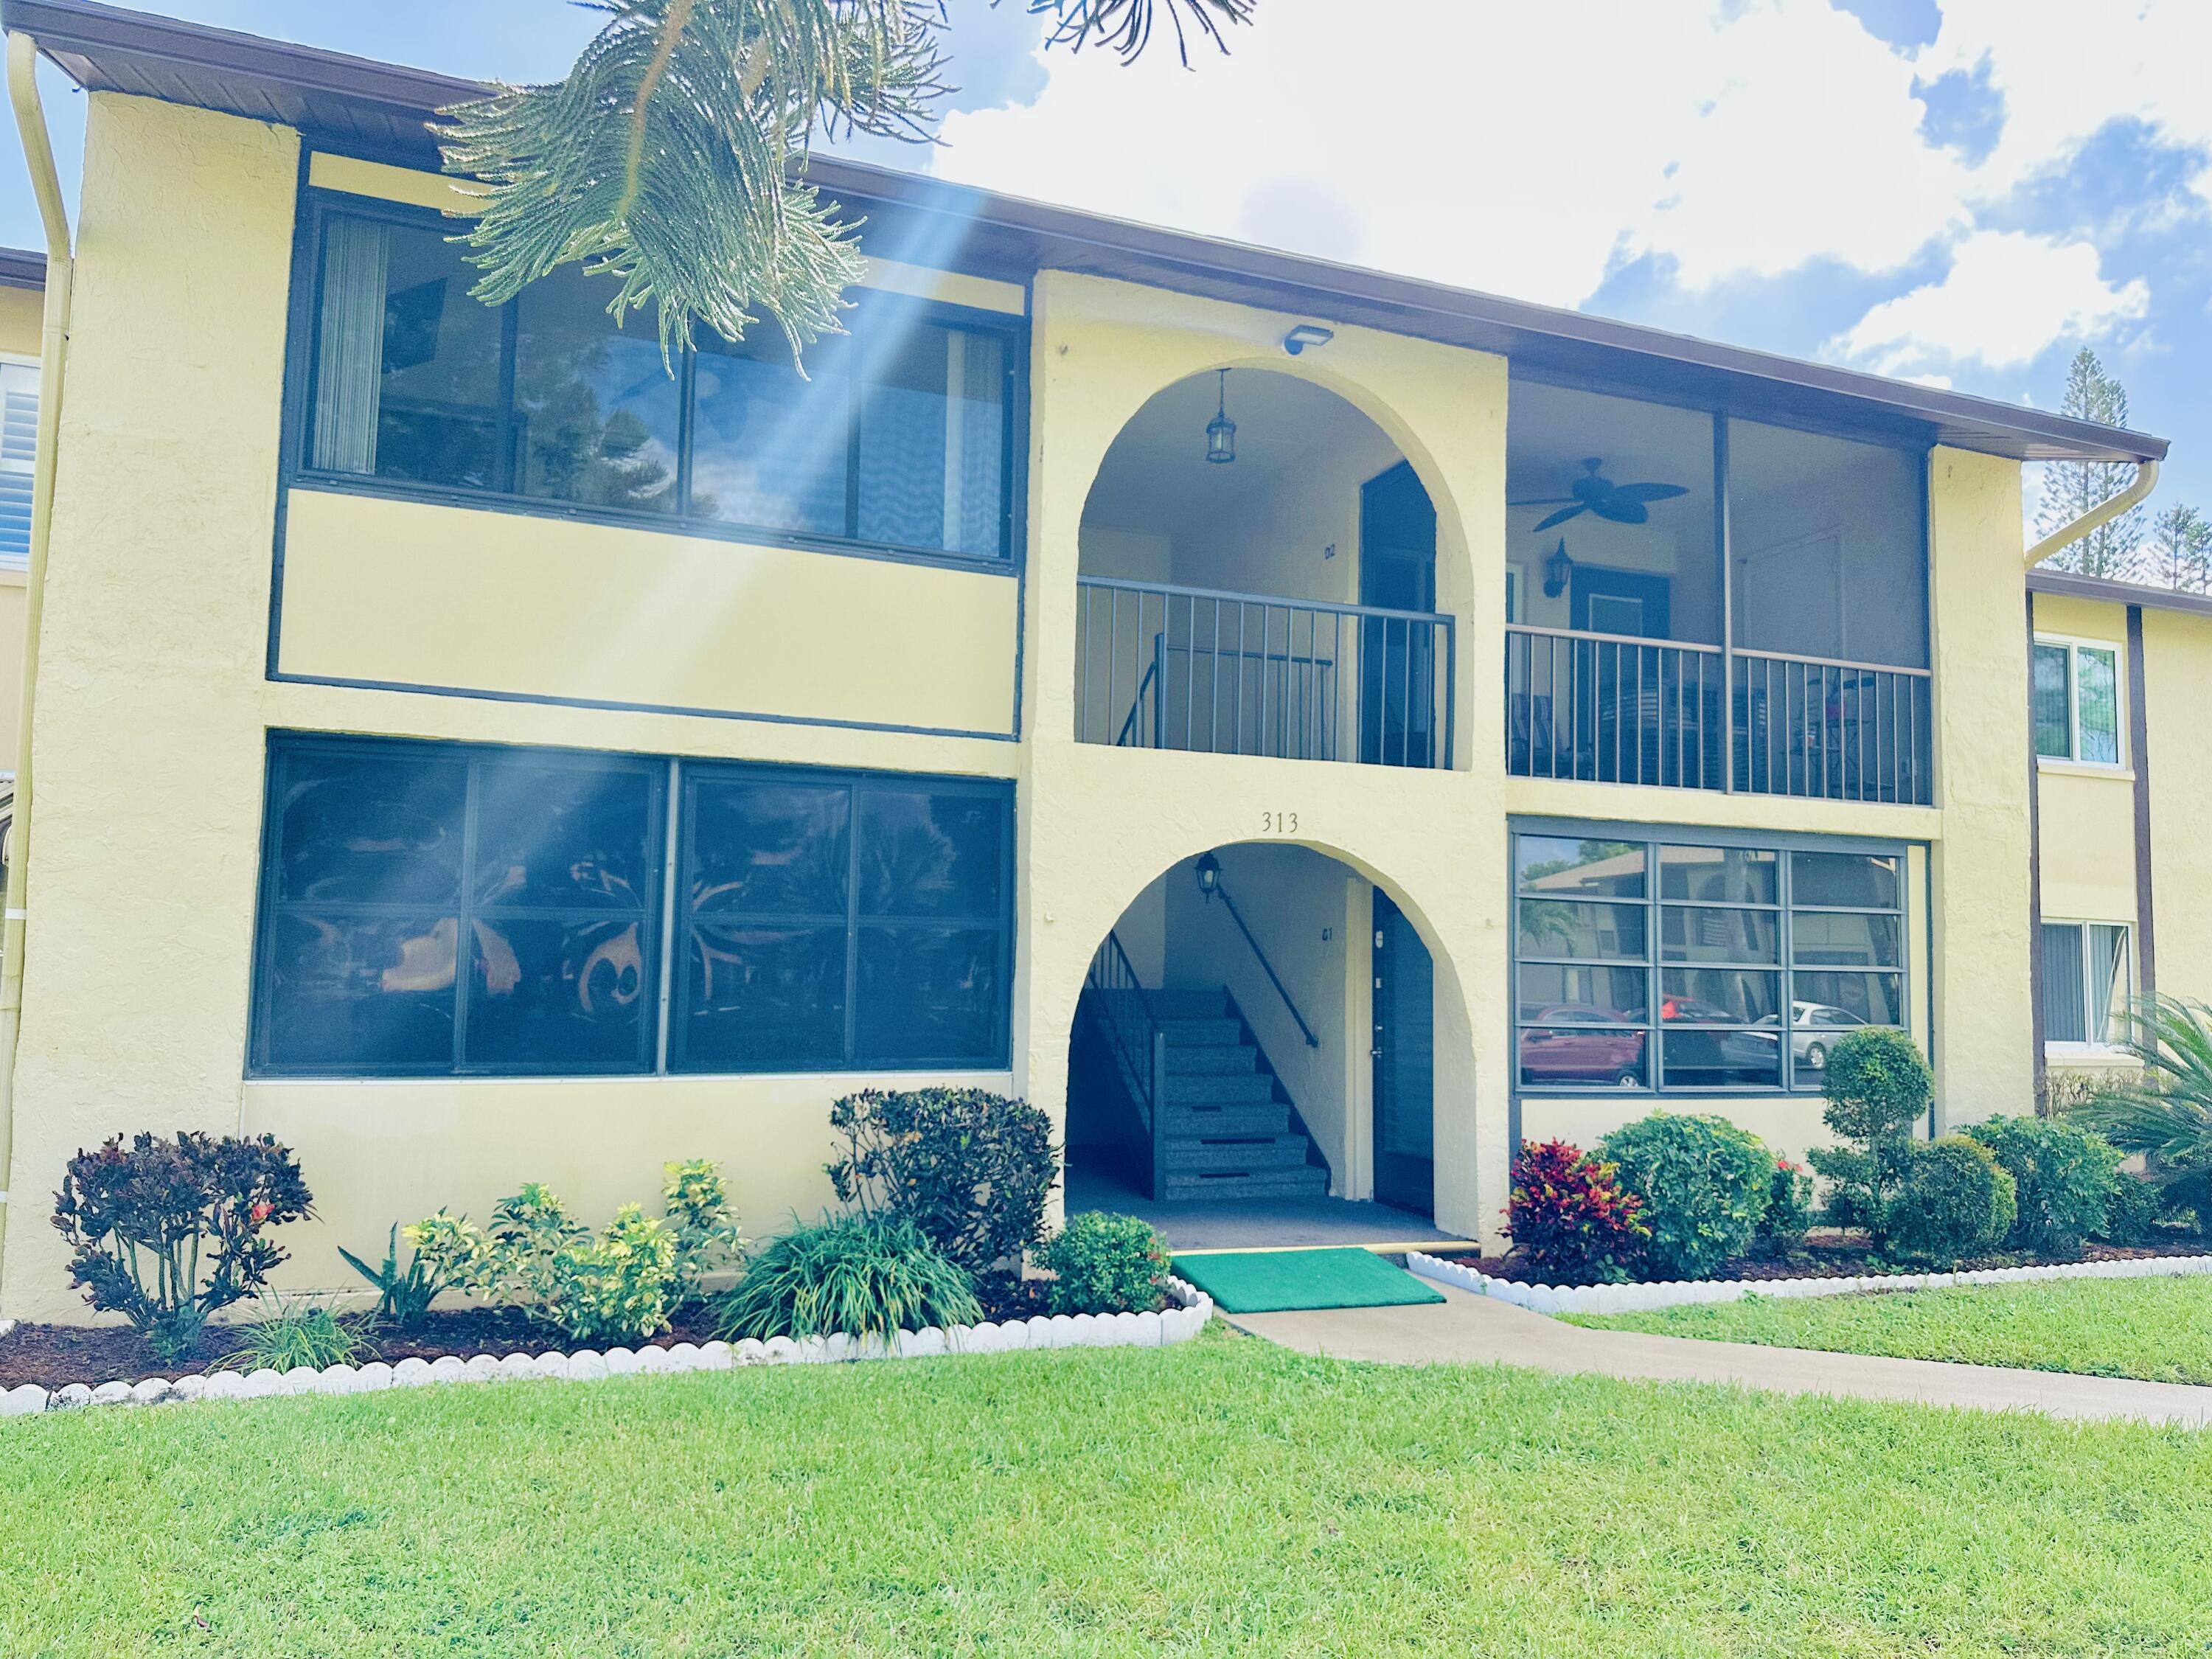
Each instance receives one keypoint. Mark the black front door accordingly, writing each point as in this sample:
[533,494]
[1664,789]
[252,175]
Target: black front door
[1405,1077]
[1397,658]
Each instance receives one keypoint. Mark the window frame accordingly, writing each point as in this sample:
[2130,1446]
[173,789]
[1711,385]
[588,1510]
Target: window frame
[303,350]
[11,562]
[858,783]
[671,828]
[270,907]
[2089,1046]
[2074,645]
[1796,1081]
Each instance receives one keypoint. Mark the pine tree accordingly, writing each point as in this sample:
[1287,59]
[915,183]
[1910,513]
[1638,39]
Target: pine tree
[2073,488]
[2180,551]
[672,156]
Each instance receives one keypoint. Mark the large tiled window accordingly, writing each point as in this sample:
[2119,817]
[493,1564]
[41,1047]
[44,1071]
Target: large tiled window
[898,436]
[437,909]
[1677,965]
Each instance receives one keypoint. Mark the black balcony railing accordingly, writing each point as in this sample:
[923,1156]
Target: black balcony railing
[1162,667]
[1605,709]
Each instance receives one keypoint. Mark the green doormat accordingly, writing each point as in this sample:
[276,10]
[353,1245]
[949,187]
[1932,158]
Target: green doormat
[1274,1281]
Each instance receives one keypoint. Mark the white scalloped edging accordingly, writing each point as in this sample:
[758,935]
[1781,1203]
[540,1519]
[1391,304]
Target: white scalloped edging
[1122,1330]
[1674,1293]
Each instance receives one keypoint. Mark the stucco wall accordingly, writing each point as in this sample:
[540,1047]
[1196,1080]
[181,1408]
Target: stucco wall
[2087,813]
[2178,671]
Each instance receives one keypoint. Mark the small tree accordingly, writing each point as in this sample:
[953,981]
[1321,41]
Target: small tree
[1877,1087]
[2180,551]
[168,1231]
[2073,488]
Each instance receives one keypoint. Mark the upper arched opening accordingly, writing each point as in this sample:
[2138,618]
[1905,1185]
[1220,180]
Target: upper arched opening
[1259,576]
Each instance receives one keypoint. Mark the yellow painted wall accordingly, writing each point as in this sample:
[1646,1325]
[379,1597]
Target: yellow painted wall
[405,593]
[2087,813]
[22,320]
[2177,673]
[11,657]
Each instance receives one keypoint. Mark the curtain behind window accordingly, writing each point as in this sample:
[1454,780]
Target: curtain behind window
[2065,991]
[2054,727]
[350,356]
[2111,982]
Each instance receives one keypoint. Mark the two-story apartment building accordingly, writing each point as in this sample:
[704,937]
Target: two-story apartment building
[1305,728]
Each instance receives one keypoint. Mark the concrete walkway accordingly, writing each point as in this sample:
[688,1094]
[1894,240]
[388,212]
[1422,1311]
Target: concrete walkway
[1469,1329]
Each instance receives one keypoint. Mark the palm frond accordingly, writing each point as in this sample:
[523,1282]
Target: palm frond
[1126,26]
[667,157]
[2166,1114]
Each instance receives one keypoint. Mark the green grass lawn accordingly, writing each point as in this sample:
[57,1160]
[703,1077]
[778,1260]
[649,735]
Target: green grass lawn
[1223,1498]
[2158,1329]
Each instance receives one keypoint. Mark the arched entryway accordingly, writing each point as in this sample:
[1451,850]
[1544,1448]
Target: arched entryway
[1258,577]
[1253,1058]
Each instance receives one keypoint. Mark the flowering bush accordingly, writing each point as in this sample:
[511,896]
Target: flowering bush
[168,1230]
[1570,1218]
[623,1285]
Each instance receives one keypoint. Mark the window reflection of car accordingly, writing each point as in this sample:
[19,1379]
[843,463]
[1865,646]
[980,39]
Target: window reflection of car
[1731,1056]
[1584,1044]
[1815,1027]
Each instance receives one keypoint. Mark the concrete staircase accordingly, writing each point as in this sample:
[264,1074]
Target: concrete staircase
[1230,1128]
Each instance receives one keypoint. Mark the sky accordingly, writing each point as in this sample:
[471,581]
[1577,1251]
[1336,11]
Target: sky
[1963,191]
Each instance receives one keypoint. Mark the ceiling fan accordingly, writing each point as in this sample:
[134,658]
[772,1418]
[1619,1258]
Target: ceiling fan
[1620,503]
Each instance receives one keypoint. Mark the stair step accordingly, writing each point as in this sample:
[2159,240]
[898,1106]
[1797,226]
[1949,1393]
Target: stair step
[1175,1003]
[1273,1119]
[1220,1089]
[1202,1033]
[1212,1062]
[1306,1181]
[1192,1156]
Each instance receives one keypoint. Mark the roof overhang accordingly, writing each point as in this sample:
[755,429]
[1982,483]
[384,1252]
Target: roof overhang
[21,267]
[356,106]
[2064,584]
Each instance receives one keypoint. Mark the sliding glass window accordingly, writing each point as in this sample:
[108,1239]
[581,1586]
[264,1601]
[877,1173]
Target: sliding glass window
[899,436]
[439,909]
[2088,981]
[2076,700]
[1678,966]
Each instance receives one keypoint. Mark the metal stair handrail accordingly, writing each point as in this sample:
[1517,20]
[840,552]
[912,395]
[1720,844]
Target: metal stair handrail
[1221,891]
[1139,1040]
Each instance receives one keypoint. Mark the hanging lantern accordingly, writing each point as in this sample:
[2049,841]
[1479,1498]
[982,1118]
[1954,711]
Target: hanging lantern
[1221,431]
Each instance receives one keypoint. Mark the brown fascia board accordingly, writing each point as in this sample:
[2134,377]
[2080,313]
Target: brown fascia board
[381,110]
[2064,584]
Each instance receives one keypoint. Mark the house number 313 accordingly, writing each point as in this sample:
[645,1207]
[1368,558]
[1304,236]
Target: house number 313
[1278,823]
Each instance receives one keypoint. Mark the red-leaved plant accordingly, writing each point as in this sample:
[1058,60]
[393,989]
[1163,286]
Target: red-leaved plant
[1569,1218]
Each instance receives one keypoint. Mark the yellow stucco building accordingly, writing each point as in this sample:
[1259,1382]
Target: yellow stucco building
[1304,728]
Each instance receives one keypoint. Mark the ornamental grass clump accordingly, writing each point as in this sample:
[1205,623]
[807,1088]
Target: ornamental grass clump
[863,1275]
[1569,1220]
[299,1334]
[168,1230]
[1705,1185]
[623,1285]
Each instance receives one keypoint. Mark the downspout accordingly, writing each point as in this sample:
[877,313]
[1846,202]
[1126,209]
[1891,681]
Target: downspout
[53,347]
[2104,512]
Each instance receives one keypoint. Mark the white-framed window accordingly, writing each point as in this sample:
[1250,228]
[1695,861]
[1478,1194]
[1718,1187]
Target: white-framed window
[2088,980]
[19,447]
[2078,710]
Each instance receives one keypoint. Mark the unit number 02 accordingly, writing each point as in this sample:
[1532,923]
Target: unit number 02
[1278,823]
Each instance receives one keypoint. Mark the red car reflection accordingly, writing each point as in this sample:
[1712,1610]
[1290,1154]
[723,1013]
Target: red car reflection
[1582,1042]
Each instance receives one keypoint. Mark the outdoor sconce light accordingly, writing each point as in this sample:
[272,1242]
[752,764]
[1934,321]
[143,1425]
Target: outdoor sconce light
[1307,334]
[1209,875]
[1559,569]
[1221,431]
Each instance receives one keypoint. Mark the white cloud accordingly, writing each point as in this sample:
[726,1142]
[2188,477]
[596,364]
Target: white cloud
[2007,298]
[1521,149]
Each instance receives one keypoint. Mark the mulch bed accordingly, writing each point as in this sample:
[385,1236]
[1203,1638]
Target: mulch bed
[54,1355]
[1838,1257]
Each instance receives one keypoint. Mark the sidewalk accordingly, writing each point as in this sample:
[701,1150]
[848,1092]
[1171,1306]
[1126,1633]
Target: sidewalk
[1470,1329]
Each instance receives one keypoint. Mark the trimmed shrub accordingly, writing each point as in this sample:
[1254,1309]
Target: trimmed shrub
[1704,1183]
[167,1231]
[620,1286]
[1569,1217]
[1877,1087]
[1951,1201]
[2065,1176]
[861,1274]
[971,1168]
[1789,1215]
[2132,1216]
[1106,1264]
